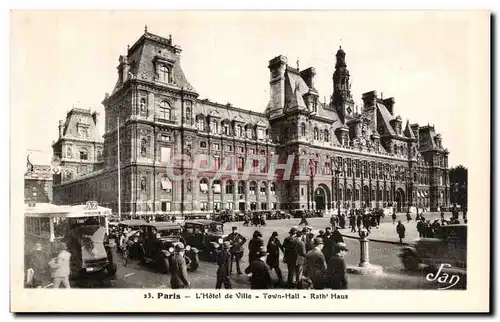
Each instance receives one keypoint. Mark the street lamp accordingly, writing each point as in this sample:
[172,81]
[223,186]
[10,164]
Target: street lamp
[336,167]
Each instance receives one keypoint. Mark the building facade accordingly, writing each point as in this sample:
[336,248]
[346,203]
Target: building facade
[354,156]
[38,184]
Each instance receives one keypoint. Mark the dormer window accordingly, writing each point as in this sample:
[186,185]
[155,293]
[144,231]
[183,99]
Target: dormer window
[164,73]
[201,123]
[239,132]
[227,130]
[260,134]
[316,133]
[315,106]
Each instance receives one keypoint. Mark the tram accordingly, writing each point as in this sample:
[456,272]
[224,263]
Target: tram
[84,228]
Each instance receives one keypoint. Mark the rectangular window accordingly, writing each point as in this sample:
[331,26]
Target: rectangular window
[357,167]
[166,138]
[164,155]
[241,188]
[262,190]
[240,163]
[263,206]
[203,144]
[229,188]
[241,149]
[275,205]
[217,205]
[229,148]
[260,134]
[215,146]
[203,206]
[301,191]
[84,155]
[217,163]
[230,205]
[252,190]
[327,169]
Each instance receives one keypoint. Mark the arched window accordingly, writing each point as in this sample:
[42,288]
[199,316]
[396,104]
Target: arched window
[164,73]
[316,133]
[165,110]
[229,187]
[273,188]
[204,185]
[302,129]
[327,136]
[253,187]
[143,184]
[241,187]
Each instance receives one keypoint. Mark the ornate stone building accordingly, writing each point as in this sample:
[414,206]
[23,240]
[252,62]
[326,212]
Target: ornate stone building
[361,157]
[38,184]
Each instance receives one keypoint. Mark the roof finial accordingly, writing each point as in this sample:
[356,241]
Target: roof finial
[170,37]
[298,62]
[145,28]
[128,47]
[381,95]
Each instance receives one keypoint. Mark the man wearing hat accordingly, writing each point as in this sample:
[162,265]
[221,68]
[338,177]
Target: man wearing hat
[237,241]
[223,260]
[336,275]
[178,269]
[259,271]
[315,264]
[288,248]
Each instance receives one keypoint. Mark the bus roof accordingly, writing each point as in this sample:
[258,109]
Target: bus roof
[51,210]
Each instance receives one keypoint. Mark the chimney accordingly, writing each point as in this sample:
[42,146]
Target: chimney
[389,104]
[369,99]
[277,68]
[95,115]
[308,76]
[61,128]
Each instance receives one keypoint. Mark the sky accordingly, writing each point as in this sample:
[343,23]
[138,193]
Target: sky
[426,61]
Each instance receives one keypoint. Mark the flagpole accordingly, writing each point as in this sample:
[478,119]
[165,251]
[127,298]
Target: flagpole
[119,166]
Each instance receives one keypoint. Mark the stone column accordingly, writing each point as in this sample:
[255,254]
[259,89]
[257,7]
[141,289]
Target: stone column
[257,192]
[236,198]
[223,194]
[210,195]
[247,194]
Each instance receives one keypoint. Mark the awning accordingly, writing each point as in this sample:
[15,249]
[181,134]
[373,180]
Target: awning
[216,188]
[203,187]
[166,184]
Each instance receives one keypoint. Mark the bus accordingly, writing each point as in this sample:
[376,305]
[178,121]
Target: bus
[84,229]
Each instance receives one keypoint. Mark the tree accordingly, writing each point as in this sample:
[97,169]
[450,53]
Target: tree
[458,185]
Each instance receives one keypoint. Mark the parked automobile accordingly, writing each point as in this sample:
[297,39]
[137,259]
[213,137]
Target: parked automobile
[158,242]
[448,246]
[204,234]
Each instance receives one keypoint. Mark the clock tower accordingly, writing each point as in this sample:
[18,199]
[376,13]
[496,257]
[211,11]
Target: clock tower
[342,99]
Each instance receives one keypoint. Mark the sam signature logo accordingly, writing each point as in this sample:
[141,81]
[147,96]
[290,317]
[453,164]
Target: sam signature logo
[445,280]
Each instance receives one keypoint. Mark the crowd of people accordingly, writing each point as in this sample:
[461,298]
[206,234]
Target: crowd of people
[38,266]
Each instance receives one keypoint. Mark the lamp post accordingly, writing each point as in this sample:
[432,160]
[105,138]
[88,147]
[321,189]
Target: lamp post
[337,172]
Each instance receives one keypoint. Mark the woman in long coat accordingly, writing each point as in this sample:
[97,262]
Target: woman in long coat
[273,257]
[401,230]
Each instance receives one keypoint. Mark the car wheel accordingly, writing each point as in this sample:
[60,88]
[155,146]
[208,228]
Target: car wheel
[111,269]
[410,262]
[166,265]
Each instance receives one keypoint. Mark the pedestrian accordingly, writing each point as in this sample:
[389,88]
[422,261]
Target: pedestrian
[273,255]
[315,265]
[359,220]
[394,218]
[400,229]
[224,262]
[309,241]
[254,245]
[420,228]
[342,221]
[336,238]
[379,213]
[178,269]
[288,245]
[259,272]
[352,223]
[408,216]
[328,244]
[321,234]
[303,219]
[336,274]
[237,241]
[60,267]
[36,263]
[332,221]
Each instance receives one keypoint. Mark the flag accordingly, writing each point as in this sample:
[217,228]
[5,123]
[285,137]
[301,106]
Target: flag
[29,165]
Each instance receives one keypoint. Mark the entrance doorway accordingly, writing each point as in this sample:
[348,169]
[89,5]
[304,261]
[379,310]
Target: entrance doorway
[322,197]
[241,206]
[400,200]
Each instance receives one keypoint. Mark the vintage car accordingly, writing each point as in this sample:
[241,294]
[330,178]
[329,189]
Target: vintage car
[90,251]
[158,242]
[205,235]
[448,246]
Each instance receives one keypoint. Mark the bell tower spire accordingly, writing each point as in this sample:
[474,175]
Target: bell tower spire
[342,98]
